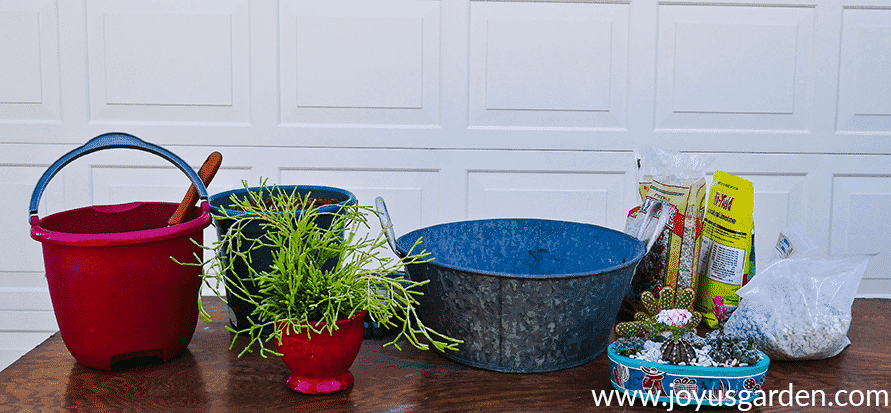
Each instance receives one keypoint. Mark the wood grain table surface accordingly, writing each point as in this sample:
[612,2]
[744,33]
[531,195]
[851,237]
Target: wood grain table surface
[210,377]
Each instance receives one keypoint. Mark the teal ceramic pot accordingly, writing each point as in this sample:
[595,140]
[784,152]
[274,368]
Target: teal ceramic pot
[686,385]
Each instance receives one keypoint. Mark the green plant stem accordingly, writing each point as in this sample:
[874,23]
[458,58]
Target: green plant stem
[297,292]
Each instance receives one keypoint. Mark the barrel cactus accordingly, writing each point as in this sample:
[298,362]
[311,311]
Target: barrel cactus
[677,351]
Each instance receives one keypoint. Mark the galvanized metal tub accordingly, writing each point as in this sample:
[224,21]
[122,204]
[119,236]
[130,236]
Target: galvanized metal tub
[525,295]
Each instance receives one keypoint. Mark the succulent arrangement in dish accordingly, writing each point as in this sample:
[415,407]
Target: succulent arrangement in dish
[665,333]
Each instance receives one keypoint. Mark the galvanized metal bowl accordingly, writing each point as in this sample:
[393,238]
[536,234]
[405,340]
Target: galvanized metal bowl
[525,295]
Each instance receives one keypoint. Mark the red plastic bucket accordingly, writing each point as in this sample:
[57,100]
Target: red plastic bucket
[117,293]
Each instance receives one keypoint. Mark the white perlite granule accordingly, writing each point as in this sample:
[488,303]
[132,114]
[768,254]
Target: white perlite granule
[652,352]
[800,308]
[799,334]
[688,249]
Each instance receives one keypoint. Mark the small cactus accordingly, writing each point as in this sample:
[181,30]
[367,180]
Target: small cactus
[645,323]
[649,302]
[630,328]
[666,298]
[685,298]
[697,318]
[677,351]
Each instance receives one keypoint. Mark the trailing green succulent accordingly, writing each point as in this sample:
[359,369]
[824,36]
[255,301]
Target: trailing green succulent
[726,348]
[645,323]
[627,346]
[300,288]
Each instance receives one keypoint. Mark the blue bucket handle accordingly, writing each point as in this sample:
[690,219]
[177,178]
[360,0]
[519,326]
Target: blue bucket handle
[115,140]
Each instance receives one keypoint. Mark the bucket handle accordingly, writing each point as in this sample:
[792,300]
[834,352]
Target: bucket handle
[114,140]
[660,225]
[387,224]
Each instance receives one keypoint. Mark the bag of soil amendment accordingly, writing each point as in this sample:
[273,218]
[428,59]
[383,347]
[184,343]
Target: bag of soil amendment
[727,254]
[799,308]
[679,179]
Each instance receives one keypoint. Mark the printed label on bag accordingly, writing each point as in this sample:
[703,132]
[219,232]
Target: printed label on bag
[727,251]
[726,264]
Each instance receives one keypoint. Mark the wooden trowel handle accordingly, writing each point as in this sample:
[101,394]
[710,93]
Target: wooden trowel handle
[206,173]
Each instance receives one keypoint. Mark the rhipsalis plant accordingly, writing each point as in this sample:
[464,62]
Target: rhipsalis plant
[317,274]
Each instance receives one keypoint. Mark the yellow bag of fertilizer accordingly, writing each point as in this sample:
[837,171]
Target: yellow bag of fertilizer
[726,260]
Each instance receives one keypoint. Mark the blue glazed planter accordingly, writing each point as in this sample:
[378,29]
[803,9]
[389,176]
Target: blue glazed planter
[726,386]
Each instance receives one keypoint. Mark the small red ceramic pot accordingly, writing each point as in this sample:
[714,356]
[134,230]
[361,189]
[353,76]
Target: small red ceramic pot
[320,362]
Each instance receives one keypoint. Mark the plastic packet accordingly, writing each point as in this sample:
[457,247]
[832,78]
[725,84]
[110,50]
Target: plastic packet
[679,179]
[727,253]
[800,308]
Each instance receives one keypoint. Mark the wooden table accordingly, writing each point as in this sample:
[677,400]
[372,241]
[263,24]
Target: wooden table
[209,377]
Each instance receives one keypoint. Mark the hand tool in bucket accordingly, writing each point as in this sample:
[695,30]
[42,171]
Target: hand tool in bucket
[525,295]
[208,170]
[117,293]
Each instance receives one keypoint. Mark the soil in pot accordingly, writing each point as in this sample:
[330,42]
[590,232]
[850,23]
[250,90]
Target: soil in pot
[314,202]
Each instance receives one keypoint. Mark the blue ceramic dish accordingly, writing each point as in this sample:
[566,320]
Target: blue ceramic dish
[683,385]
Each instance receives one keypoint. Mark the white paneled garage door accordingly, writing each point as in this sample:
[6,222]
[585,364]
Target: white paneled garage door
[451,110]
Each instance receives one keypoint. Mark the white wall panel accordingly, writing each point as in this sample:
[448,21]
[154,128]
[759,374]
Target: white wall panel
[863,98]
[412,196]
[29,86]
[548,65]
[858,226]
[26,315]
[17,182]
[14,345]
[21,39]
[572,196]
[373,64]
[727,67]
[192,64]
[189,63]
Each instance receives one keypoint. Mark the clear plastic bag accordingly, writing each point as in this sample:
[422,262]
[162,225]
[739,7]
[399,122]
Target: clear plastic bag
[800,308]
[679,179]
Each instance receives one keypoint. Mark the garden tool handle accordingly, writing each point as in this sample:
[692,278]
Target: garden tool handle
[113,140]
[660,225]
[387,224]
[206,173]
